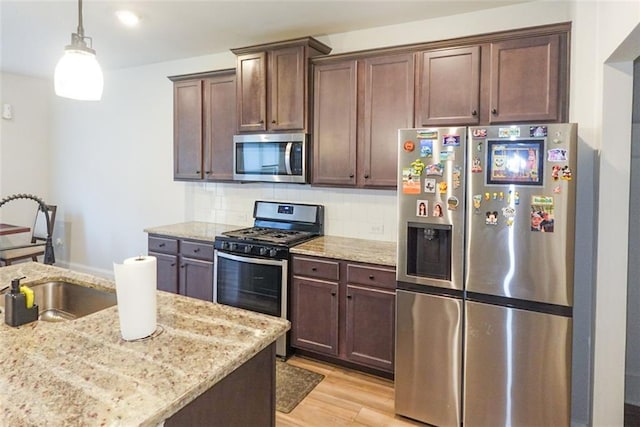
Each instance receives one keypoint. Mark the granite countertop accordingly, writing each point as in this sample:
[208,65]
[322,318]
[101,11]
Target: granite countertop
[81,372]
[360,250]
[196,230]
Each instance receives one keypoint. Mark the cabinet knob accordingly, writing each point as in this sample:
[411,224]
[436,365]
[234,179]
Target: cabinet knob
[366,176]
[273,122]
[314,269]
[173,264]
[182,265]
[198,172]
[351,176]
[261,121]
[348,296]
[474,113]
[208,172]
[333,293]
[494,111]
[196,250]
[371,277]
[161,245]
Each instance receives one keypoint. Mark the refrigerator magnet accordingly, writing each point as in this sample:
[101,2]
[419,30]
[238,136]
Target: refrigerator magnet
[509,212]
[457,173]
[442,186]
[426,148]
[452,203]
[408,146]
[410,181]
[447,155]
[427,134]
[555,172]
[422,208]
[451,140]
[476,167]
[566,173]
[429,185]
[491,218]
[537,131]
[542,219]
[557,189]
[557,155]
[437,210]
[479,133]
[477,201]
[418,166]
[435,169]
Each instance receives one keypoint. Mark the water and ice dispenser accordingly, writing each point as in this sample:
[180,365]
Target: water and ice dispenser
[429,250]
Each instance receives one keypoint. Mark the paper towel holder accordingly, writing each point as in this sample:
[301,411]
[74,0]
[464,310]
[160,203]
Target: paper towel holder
[159,330]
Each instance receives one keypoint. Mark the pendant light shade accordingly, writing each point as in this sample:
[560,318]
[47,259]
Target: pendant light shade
[78,74]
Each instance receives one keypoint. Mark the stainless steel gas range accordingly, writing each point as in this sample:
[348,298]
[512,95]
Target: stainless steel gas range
[251,266]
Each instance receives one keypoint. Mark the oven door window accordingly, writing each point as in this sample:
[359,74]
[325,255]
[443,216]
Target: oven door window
[250,283]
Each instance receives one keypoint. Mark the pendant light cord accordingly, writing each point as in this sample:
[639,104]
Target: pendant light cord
[80,28]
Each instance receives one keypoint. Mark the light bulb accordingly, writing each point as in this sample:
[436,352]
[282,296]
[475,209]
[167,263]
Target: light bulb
[79,76]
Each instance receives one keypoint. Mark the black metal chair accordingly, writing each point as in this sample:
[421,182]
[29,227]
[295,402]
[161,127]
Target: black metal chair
[38,240]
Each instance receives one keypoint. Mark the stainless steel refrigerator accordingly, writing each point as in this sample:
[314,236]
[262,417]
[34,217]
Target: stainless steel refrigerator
[485,291]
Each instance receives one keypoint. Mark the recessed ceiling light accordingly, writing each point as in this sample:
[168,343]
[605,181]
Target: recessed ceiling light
[128,18]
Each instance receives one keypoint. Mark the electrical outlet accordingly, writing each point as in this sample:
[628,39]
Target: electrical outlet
[377,229]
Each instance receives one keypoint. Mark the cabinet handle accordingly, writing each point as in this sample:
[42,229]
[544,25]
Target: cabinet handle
[273,122]
[314,269]
[474,113]
[366,177]
[351,176]
[182,266]
[198,172]
[208,172]
[196,250]
[173,264]
[494,111]
[333,294]
[261,121]
[348,296]
[371,277]
[161,245]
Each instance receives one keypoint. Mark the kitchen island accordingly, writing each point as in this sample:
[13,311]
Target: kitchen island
[204,360]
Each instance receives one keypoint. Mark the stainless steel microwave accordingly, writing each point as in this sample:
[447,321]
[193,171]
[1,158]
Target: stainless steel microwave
[270,157]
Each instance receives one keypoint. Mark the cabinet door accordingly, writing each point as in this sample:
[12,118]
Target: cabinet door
[187,130]
[251,92]
[220,126]
[334,123]
[286,79]
[196,278]
[524,80]
[388,88]
[448,87]
[314,317]
[370,321]
[167,271]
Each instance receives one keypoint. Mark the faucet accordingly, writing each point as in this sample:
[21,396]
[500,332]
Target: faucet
[49,256]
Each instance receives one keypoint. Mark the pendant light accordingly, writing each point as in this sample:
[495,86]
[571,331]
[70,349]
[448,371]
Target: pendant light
[78,74]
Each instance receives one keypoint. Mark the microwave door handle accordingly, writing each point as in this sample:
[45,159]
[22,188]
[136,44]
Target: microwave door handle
[287,157]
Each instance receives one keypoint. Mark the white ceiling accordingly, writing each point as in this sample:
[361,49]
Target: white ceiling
[34,33]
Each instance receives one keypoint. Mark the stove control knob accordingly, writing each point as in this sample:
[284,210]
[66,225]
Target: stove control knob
[224,245]
[273,252]
[263,251]
[247,249]
[232,246]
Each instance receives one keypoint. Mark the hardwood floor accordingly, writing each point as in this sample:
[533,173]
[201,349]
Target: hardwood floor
[343,398]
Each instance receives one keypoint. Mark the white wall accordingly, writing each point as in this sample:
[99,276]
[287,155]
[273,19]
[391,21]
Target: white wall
[25,148]
[113,168]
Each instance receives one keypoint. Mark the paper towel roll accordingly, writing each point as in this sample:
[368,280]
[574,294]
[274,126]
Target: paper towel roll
[136,294]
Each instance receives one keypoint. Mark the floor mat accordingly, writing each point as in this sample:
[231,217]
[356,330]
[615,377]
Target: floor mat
[292,385]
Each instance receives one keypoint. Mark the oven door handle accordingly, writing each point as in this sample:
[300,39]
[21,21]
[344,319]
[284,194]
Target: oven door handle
[287,157]
[251,260]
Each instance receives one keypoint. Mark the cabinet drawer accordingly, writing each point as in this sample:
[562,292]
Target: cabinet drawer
[309,267]
[163,245]
[371,276]
[196,250]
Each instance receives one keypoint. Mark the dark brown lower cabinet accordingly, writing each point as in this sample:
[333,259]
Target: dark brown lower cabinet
[184,266]
[246,397]
[344,311]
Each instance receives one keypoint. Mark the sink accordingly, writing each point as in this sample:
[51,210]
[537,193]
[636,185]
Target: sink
[59,301]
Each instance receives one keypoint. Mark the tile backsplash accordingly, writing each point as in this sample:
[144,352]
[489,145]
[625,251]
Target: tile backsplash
[365,214]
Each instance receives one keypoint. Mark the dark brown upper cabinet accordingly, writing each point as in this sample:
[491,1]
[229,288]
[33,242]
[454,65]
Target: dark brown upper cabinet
[273,85]
[525,80]
[203,126]
[359,105]
[448,87]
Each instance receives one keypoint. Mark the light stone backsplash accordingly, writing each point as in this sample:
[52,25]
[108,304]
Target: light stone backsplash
[364,214]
